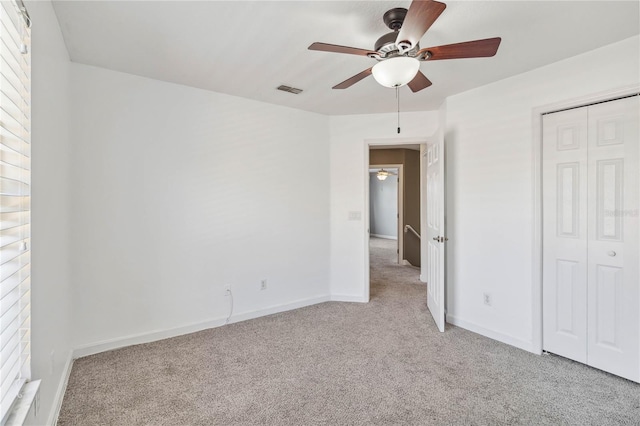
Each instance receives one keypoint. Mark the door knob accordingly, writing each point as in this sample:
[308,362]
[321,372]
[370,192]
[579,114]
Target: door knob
[611,253]
[436,239]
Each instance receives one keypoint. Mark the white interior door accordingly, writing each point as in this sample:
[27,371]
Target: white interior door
[614,204]
[435,235]
[564,265]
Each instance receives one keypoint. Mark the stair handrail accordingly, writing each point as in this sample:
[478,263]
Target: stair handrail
[408,228]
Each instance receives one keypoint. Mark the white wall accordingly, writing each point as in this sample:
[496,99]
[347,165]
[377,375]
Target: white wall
[383,205]
[51,294]
[490,187]
[171,192]
[349,136]
[179,191]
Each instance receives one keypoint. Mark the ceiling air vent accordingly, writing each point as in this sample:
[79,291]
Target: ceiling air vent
[289,89]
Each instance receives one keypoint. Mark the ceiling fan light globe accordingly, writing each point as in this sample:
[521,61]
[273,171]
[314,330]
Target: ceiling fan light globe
[396,72]
[381,177]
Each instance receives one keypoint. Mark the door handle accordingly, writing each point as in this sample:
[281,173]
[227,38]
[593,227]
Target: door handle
[436,239]
[440,239]
[611,253]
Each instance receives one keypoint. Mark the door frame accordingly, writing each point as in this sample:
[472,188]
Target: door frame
[536,266]
[367,255]
[399,207]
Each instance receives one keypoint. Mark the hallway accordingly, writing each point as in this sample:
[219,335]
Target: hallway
[385,270]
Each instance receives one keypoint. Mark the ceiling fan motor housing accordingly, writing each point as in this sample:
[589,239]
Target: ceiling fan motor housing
[386,45]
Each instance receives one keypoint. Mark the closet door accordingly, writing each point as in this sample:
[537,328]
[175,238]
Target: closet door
[565,233]
[613,239]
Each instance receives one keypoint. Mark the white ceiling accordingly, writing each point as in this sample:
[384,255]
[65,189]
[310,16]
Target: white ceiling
[248,48]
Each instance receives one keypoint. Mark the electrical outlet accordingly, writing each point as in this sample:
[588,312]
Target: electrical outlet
[227,289]
[487,299]
[263,284]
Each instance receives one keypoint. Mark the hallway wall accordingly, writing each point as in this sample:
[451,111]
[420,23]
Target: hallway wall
[383,205]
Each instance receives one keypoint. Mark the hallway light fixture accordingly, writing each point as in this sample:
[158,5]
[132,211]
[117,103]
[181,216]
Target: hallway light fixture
[383,174]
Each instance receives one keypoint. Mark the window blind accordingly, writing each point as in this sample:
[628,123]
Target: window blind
[15,177]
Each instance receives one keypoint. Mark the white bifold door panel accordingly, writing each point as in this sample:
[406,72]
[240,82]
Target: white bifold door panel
[613,209]
[435,235]
[591,237]
[565,234]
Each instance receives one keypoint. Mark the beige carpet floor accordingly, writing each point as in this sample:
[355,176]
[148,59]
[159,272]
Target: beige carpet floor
[380,363]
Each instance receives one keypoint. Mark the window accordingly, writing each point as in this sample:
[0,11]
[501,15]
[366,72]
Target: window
[15,176]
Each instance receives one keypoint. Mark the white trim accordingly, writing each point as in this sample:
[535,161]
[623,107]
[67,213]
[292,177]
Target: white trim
[536,254]
[348,298]
[495,335]
[423,217]
[279,308]
[405,262]
[384,237]
[62,388]
[136,339]
[152,336]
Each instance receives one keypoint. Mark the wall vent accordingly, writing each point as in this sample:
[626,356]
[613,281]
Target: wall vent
[289,89]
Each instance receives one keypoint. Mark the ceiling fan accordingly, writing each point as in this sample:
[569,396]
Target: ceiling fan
[399,54]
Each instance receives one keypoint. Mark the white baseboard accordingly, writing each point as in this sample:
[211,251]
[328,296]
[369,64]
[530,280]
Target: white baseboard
[348,298]
[405,262]
[278,308]
[152,336]
[386,237]
[423,278]
[62,388]
[495,335]
[136,339]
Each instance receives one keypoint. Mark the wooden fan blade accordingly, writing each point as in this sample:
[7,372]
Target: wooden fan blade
[353,80]
[324,47]
[469,49]
[419,82]
[420,16]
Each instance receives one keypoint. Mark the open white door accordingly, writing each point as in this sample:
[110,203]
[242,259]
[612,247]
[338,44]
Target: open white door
[435,235]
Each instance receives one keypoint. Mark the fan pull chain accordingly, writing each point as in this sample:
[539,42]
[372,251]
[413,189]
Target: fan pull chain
[398,99]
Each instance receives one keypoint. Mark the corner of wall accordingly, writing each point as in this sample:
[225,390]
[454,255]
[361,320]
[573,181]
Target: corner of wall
[50,216]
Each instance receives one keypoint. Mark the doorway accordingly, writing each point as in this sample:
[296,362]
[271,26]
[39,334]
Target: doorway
[394,209]
[406,158]
[428,156]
